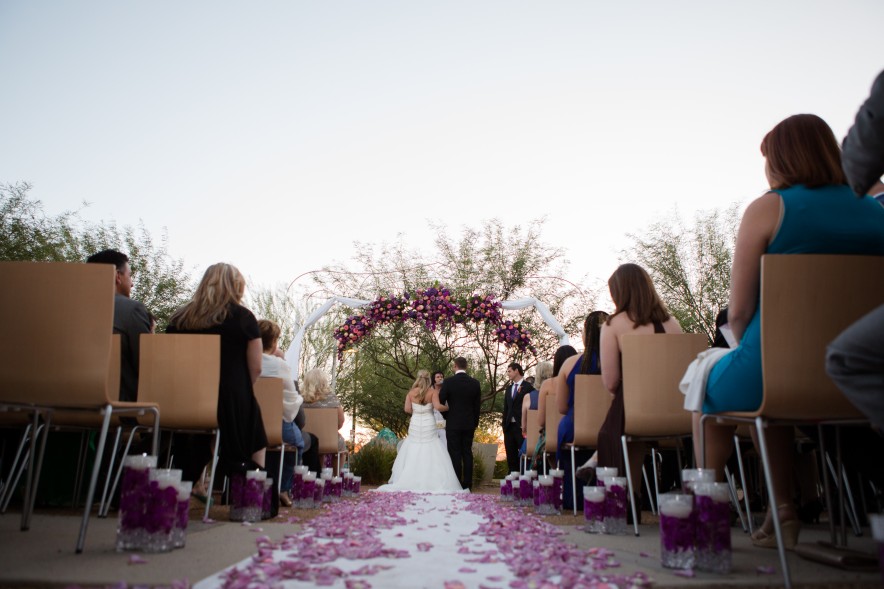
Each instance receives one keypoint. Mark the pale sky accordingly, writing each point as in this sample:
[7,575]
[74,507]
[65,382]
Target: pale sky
[273,134]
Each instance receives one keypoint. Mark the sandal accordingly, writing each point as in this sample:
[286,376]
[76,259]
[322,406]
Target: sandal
[790,527]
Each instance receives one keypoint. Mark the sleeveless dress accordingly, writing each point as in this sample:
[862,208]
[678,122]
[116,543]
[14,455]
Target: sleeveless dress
[533,398]
[826,220]
[566,425]
[610,444]
[422,463]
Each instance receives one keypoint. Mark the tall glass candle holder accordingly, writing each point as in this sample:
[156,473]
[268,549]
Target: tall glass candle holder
[318,492]
[134,491]
[604,472]
[308,490]
[526,494]
[712,523]
[677,531]
[297,480]
[267,499]
[877,524]
[162,510]
[357,484]
[615,504]
[594,498]
[558,476]
[690,476]
[327,476]
[247,495]
[336,489]
[535,492]
[544,495]
[347,484]
[508,489]
[179,532]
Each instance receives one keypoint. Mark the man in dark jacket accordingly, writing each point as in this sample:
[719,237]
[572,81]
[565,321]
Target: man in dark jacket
[463,395]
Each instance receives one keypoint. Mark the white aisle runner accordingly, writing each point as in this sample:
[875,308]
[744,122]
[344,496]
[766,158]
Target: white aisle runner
[409,540]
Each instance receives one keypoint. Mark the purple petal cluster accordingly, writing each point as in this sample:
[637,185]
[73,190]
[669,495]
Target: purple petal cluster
[434,306]
[511,334]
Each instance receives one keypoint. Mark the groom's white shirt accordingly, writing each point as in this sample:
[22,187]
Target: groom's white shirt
[459,371]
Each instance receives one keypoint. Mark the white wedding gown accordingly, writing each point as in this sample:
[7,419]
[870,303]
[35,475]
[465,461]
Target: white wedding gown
[423,463]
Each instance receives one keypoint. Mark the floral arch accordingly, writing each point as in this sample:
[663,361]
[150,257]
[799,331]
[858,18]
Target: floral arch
[433,306]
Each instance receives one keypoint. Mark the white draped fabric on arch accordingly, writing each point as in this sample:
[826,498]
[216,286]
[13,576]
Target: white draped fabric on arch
[293,356]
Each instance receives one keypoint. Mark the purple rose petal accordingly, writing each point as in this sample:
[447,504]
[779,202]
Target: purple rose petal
[136,559]
[766,570]
[688,573]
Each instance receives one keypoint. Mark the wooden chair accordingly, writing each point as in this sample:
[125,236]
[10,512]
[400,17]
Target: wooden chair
[653,365]
[268,392]
[533,427]
[591,403]
[806,301]
[322,422]
[551,427]
[181,374]
[55,355]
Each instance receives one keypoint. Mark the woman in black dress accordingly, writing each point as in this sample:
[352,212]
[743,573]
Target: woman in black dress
[215,309]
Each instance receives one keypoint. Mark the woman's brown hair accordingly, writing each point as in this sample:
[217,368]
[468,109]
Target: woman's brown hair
[633,293]
[270,333]
[802,150]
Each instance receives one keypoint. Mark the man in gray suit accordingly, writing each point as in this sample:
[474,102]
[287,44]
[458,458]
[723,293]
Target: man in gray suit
[131,319]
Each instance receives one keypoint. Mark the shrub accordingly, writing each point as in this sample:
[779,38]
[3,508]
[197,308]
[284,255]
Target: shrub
[501,469]
[374,463]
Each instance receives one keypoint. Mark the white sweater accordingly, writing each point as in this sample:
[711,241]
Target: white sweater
[276,367]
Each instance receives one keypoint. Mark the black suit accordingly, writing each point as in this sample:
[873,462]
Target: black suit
[464,397]
[512,422]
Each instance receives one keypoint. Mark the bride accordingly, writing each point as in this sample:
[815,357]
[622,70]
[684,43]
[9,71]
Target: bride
[422,463]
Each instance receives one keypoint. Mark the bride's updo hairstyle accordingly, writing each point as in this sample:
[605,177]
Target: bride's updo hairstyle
[422,383]
[316,386]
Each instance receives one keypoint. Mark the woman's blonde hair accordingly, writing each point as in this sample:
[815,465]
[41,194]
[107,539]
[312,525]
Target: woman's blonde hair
[221,286]
[316,387]
[423,383]
[541,373]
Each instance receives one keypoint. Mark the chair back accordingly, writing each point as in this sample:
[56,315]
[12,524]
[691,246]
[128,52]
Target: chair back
[322,422]
[181,373]
[653,365]
[806,301]
[113,371]
[553,417]
[591,403]
[268,393]
[533,427]
[57,320]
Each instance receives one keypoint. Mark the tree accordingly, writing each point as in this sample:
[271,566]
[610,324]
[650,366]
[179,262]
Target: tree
[690,266]
[509,263]
[28,233]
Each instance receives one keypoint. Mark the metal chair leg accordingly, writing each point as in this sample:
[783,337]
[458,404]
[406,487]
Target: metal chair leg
[93,480]
[771,491]
[34,471]
[212,476]
[743,483]
[573,479]
[629,483]
[647,484]
[102,508]
[13,478]
[732,491]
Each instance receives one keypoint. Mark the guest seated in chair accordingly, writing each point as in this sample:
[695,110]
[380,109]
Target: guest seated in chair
[318,393]
[216,309]
[532,400]
[586,363]
[809,209]
[273,365]
[638,310]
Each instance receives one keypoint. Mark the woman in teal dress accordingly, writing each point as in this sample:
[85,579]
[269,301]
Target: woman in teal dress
[809,210]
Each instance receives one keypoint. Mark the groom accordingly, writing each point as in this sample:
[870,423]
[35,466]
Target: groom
[464,397]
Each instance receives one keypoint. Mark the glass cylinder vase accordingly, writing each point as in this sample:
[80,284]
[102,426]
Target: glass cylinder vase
[712,524]
[134,491]
[677,531]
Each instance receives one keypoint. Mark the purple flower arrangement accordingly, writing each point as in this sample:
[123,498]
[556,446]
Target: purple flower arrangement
[511,334]
[435,307]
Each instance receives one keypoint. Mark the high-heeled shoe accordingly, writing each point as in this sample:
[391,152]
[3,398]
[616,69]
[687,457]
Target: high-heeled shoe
[285,499]
[790,527]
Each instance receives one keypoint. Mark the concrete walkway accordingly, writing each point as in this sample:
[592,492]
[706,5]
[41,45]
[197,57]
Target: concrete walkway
[44,556]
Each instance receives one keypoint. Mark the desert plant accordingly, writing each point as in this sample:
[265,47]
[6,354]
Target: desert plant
[374,463]
[478,469]
[501,469]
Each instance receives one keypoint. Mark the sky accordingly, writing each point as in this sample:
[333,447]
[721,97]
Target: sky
[273,135]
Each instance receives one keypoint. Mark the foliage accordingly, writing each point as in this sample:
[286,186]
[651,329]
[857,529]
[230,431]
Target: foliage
[374,463]
[690,266]
[28,233]
[501,469]
[492,260]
